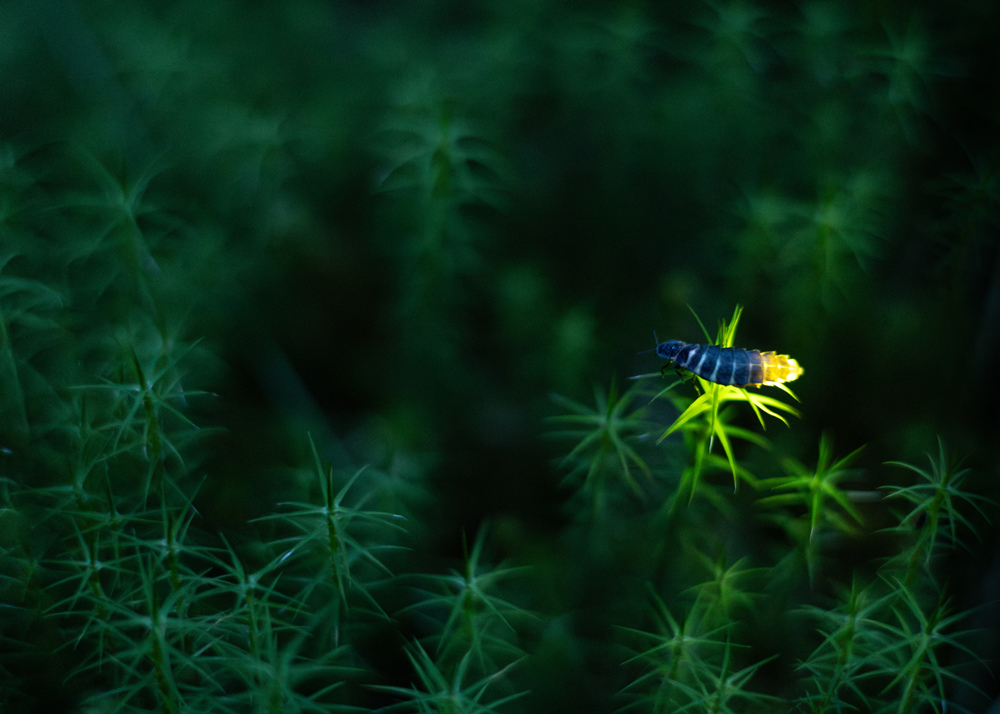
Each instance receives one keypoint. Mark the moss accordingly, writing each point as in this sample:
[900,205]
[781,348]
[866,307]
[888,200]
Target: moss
[285,293]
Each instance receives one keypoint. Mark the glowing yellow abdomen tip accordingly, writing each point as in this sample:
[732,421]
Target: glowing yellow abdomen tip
[779,368]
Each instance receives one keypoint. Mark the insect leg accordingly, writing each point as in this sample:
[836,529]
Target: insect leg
[671,365]
[685,375]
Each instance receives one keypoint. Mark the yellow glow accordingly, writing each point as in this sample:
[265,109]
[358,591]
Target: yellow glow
[779,368]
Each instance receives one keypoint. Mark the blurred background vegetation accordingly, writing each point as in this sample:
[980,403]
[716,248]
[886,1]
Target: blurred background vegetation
[401,227]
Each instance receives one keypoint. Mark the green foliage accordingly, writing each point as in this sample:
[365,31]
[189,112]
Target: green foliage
[934,509]
[914,652]
[479,621]
[672,660]
[27,321]
[274,276]
[603,448]
[816,488]
[690,669]
[450,694]
[819,492]
[851,636]
[705,419]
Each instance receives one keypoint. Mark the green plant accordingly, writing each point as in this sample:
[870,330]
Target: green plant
[604,449]
[934,514]
[327,538]
[27,326]
[912,655]
[689,668]
[479,621]
[147,417]
[818,491]
[706,420]
[680,654]
[816,488]
[397,229]
[852,637]
[445,691]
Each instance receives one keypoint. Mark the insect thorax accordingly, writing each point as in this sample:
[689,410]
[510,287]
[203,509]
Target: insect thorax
[669,349]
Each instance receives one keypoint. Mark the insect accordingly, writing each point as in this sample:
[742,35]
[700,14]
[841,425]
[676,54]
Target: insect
[730,365]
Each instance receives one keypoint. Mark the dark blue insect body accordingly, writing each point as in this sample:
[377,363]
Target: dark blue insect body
[729,365]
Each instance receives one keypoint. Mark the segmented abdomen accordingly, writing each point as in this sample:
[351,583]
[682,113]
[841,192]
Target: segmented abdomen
[730,365]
